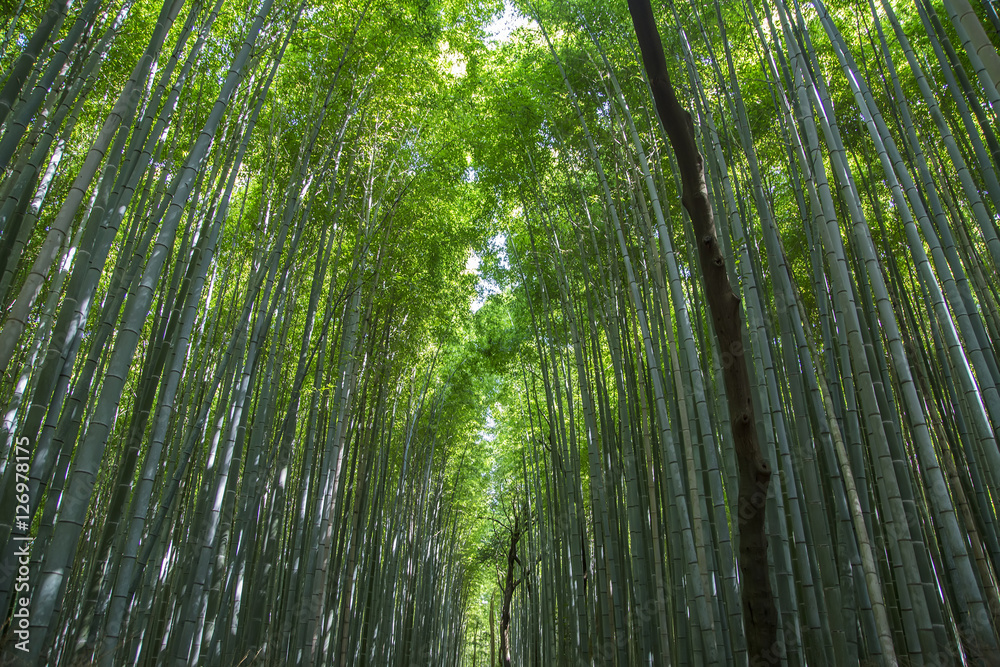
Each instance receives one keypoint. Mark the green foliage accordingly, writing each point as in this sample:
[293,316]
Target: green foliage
[393,143]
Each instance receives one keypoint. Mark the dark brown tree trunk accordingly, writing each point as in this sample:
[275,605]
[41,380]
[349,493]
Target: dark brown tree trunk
[759,614]
[509,585]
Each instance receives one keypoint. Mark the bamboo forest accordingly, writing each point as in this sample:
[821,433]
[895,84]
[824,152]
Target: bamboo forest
[491,333]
